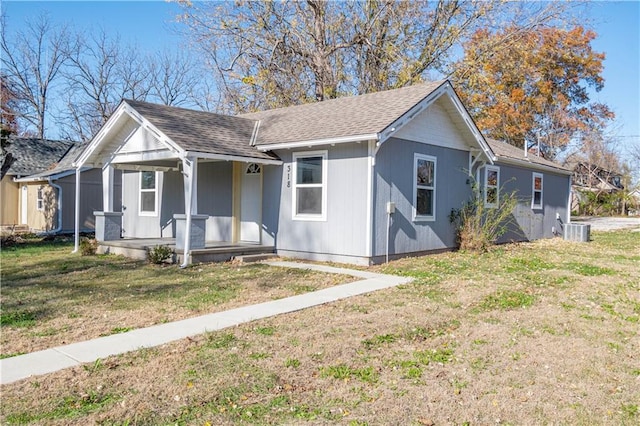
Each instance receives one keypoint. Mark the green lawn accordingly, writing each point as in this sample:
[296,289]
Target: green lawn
[51,297]
[536,333]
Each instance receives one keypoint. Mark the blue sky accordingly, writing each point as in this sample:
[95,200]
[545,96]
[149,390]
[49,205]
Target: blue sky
[150,23]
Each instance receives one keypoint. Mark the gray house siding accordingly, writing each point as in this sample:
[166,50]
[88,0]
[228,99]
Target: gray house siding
[134,225]
[272,181]
[531,224]
[343,235]
[394,179]
[90,196]
[214,199]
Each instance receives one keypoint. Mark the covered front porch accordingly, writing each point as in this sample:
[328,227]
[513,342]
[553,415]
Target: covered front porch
[213,251]
[179,189]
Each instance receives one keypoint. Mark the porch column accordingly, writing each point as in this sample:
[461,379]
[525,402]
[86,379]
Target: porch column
[190,171]
[76,245]
[107,188]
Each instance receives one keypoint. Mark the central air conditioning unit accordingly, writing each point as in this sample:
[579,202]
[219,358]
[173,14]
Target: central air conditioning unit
[580,232]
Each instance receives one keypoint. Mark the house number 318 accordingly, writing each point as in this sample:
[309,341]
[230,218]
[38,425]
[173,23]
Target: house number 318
[288,176]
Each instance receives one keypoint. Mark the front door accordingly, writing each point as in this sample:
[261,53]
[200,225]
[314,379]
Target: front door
[251,203]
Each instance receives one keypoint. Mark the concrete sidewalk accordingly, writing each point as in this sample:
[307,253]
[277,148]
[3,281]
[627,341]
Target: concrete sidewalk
[61,357]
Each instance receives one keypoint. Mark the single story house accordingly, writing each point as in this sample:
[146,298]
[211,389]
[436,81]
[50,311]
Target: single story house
[354,179]
[38,191]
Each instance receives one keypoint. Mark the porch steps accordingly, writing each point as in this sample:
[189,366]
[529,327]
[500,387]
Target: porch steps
[224,254]
[250,258]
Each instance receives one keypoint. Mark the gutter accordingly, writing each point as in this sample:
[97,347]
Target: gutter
[532,165]
[317,142]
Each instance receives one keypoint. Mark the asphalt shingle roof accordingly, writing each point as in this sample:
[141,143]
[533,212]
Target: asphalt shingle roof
[505,150]
[65,163]
[202,131]
[341,117]
[35,155]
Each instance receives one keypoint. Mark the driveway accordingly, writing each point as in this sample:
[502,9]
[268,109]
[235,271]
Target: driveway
[609,223]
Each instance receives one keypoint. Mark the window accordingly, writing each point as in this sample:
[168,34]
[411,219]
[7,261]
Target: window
[491,186]
[253,169]
[148,198]
[424,187]
[40,199]
[310,185]
[537,187]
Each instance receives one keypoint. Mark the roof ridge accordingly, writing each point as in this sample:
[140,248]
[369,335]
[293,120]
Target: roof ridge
[435,83]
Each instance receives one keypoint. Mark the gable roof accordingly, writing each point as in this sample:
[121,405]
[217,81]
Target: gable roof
[202,131]
[362,116]
[33,155]
[509,153]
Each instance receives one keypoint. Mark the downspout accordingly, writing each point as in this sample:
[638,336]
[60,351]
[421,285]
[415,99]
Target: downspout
[76,245]
[59,221]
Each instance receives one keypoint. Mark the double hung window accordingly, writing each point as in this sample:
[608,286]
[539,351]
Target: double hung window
[310,185]
[424,187]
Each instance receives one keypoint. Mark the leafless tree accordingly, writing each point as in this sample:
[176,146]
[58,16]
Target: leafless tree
[173,75]
[99,74]
[32,60]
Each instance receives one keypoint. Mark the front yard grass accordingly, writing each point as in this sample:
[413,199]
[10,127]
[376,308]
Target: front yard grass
[537,333]
[51,297]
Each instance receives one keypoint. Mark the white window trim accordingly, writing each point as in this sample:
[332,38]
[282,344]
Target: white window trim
[416,217]
[533,191]
[295,185]
[140,191]
[40,198]
[487,169]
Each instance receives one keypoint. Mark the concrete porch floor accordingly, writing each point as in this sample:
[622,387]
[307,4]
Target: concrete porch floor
[214,251]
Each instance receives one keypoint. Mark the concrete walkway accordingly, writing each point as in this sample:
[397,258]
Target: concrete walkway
[61,357]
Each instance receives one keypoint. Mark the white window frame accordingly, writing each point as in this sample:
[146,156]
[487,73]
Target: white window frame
[40,198]
[294,187]
[488,169]
[414,206]
[141,191]
[534,175]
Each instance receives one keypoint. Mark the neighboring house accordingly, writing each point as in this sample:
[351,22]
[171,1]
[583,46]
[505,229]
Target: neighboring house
[351,180]
[592,178]
[39,188]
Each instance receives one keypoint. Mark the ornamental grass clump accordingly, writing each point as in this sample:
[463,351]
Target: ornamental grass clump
[478,226]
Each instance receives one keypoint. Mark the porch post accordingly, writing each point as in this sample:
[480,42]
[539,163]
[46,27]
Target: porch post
[107,188]
[190,170]
[76,245]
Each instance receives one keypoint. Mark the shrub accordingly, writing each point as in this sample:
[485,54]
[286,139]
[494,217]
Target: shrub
[477,226]
[88,246]
[159,254]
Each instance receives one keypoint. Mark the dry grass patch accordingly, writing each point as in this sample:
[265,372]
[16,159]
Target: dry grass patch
[430,352]
[51,297]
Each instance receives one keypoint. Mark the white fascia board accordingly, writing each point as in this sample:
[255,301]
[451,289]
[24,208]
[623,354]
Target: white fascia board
[96,141]
[133,157]
[143,167]
[164,139]
[410,114]
[223,157]
[52,177]
[125,108]
[318,142]
[471,125]
[531,165]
